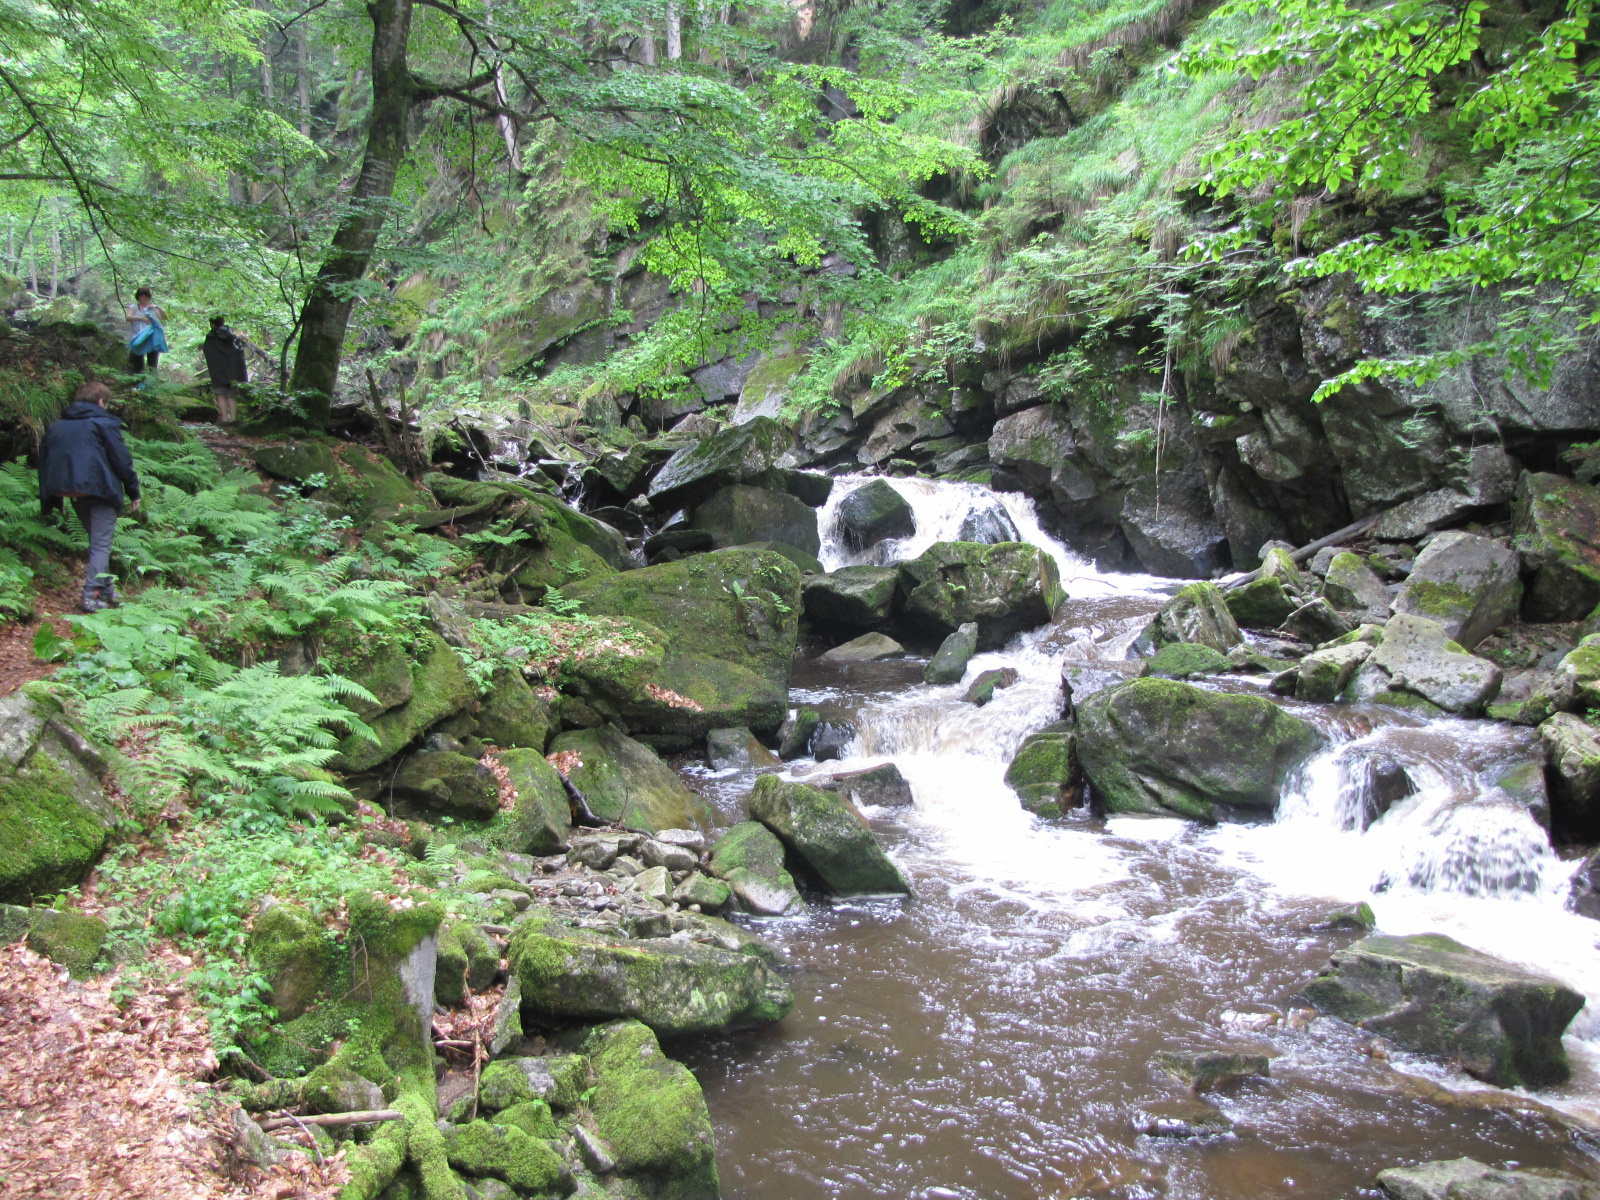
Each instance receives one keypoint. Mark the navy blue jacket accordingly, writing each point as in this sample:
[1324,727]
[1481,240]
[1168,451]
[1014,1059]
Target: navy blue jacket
[83,454]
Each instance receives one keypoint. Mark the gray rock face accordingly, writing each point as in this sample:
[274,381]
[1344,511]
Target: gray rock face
[1468,1179]
[1323,674]
[852,597]
[873,513]
[1467,583]
[949,662]
[1557,524]
[881,786]
[1572,765]
[739,514]
[1417,657]
[1498,1022]
[1316,621]
[1199,615]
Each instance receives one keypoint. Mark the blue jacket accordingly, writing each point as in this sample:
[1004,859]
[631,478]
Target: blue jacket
[83,454]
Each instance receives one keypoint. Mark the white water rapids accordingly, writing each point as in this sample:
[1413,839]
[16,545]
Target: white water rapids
[1020,913]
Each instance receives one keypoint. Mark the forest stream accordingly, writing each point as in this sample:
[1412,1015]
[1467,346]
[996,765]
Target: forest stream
[993,1038]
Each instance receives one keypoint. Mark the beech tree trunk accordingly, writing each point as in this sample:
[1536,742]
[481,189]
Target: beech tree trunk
[326,315]
[674,31]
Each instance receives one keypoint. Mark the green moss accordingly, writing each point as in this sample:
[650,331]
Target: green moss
[1181,660]
[1045,771]
[295,953]
[1408,700]
[440,686]
[1435,599]
[450,968]
[70,939]
[506,1152]
[48,837]
[542,816]
[1262,603]
[533,1117]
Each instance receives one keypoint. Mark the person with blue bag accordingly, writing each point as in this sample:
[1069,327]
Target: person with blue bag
[147,340]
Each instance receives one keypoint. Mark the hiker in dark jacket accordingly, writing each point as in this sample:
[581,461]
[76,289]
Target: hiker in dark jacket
[224,351]
[84,459]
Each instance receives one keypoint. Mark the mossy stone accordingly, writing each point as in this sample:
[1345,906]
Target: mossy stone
[1263,603]
[440,688]
[73,940]
[1184,660]
[533,1117]
[444,782]
[826,832]
[1003,589]
[1044,772]
[337,1088]
[1198,613]
[739,454]
[851,597]
[295,953]
[749,857]
[450,967]
[507,1153]
[513,715]
[1557,529]
[553,1081]
[541,819]
[625,781]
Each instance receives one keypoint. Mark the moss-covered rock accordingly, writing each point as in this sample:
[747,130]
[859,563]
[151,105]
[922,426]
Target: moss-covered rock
[1351,585]
[707,894]
[351,477]
[1003,589]
[737,749]
[1467,583]
[651,1115]
[1045,773]
[541,819]
[749,857]
[55,818]
[533,1117]
[869,647]
[1164,747]
[674,987]
[1557,530]
[1184,660]
[296,955]
[729,620]
[556,1080]
[1197,614]
[949,662]
[1263,603]
[1498,1022]
[1572,766]
[336,1088]
[442,782]
[1325,673]
[624,781]
[382,666]
[740,514]
[73,940]
[505,1152]
[440,687]
[1418,659]
[825,832]
[513,715]
[851,597]
[874,512]
[739,454]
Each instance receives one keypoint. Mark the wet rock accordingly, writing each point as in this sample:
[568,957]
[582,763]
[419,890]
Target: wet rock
[853,597]
[740,514]
[794,737]
[1164,747]
[541,818]
[672,544]
[1468,1179]
[882,786]
[624,781]
[1204,1070]
[1323,674]
[988,524]
[739,454]
[1388,782]
[1572,768]
[1198,615]
[1467,583]
[1572,686]
[984,686]
[1183,660]
[1353,918]
[1585,897]
[831,740]
[1499,1022]
[1316,622]
[1261,604]
[676,988]
[1352,586]
[749,858]
[873,513]
[1045,773]
[737,749]
[869,647]
[1557,530]
[1003,589]
[828,835]
[1186,1119]
[449,784]
[949,662]
[1417,658]
[1525,786]
[708,894]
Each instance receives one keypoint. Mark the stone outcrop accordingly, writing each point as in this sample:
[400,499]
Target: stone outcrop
[740,454]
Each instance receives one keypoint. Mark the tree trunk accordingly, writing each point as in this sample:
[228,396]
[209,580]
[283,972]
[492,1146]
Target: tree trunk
[326,315]
[674,31]
[303,83]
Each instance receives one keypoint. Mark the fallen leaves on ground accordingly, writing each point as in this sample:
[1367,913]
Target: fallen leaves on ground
[101,1100]
[17,663]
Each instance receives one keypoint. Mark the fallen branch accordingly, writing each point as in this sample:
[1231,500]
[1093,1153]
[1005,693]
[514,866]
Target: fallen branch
[1356,529]
[370,1117]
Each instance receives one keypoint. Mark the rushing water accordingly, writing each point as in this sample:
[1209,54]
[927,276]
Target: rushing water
[993,1039]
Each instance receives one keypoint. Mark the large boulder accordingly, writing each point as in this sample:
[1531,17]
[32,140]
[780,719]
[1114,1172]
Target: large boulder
[55,817]
[1417,659]
[825,832]
[873,513]
[949,662]
[512,714]
[851,597]
[444,783]
[1045,774]
[739,514]
[1004,589]
[624,781]
[749,857]
[541,817]
[440,687]
[1468,1179]
[1467,583]
[676,988]
[728,623]
[1573,686]
[1572,767]
[1499,1022]
[1163,747]
[739,454]
[1352,586]
[1197,614]
[869,647]
[345,474]
[1557,529]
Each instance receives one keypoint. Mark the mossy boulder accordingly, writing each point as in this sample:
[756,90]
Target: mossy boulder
[737,749]
[1263,603]
[1184,660]
[1044,772]
[1468,1179]
[513,714]
[739,454]
[1323,674]
[541,818]
[740,514]
[1556,523]
[295,953]
[949,662]
[982,689]
[1572,766]
[1467,583]
[1163,747]
[555,1080]
[1198,614]
[651,1115]
[1418,659]
[1498,1022]
[824,830]
[440,687]
[336,1088]
[749,858]
[676,988]
[55,818]
[869,647]
[851,597]
[872,513]
[351,477]
[1003,589]
[382,666]
[444,783]
[467,961]
[729,622]
[529,1164]
[1351,585]
[70,939]
[625,781]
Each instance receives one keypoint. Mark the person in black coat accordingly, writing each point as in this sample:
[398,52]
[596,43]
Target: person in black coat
[84,459]
[224,351]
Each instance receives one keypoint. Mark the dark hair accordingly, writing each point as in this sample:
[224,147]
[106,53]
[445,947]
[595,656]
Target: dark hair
[218,322]
[94,392]
[144,291]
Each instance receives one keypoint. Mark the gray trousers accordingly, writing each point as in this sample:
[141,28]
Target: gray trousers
[100,519]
